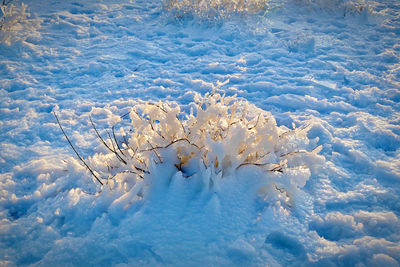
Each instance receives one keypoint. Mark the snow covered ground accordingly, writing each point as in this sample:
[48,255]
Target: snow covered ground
[330,68]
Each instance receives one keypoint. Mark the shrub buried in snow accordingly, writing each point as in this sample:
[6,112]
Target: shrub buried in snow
[15,22]
[220,136]
[213,9]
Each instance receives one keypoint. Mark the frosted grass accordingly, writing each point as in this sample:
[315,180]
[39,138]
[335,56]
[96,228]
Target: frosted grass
[214,9]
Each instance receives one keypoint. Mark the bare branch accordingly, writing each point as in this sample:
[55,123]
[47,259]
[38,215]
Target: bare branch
[182,139]
[255,125]
[254,164]
[294,153]
[278,168]
[155,151]
[116,142]
[183,128]
[111,140]
[104,143]
[126,114]
[76,152]
[171,143]
[126,141]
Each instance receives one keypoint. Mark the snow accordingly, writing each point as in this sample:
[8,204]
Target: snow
[327,72]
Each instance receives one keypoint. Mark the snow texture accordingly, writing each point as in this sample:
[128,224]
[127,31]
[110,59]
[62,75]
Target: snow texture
[254,133]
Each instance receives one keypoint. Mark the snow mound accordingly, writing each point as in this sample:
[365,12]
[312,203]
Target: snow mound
[186,185]
[221,136]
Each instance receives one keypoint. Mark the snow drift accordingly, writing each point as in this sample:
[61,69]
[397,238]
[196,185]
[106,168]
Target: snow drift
[221,135]
[201,180]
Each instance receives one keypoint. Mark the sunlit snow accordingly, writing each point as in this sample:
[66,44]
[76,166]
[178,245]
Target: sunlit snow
[207,133]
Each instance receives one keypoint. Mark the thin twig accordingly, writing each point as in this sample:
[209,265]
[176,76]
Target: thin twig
[116,142]
[254,164]
[183,128]
[155,151]
[261,157]
[255,125]
[287,132]
[125,141]
[294,153]
[111,140]
[281,190]
[76,152]
[182,139]
[278,168]
[98,135]
[141,169]
[105,144]
[171,143]
[299,152]
[126,114]
[161,108]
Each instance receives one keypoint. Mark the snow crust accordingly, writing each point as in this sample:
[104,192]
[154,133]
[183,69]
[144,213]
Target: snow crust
[325,72]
